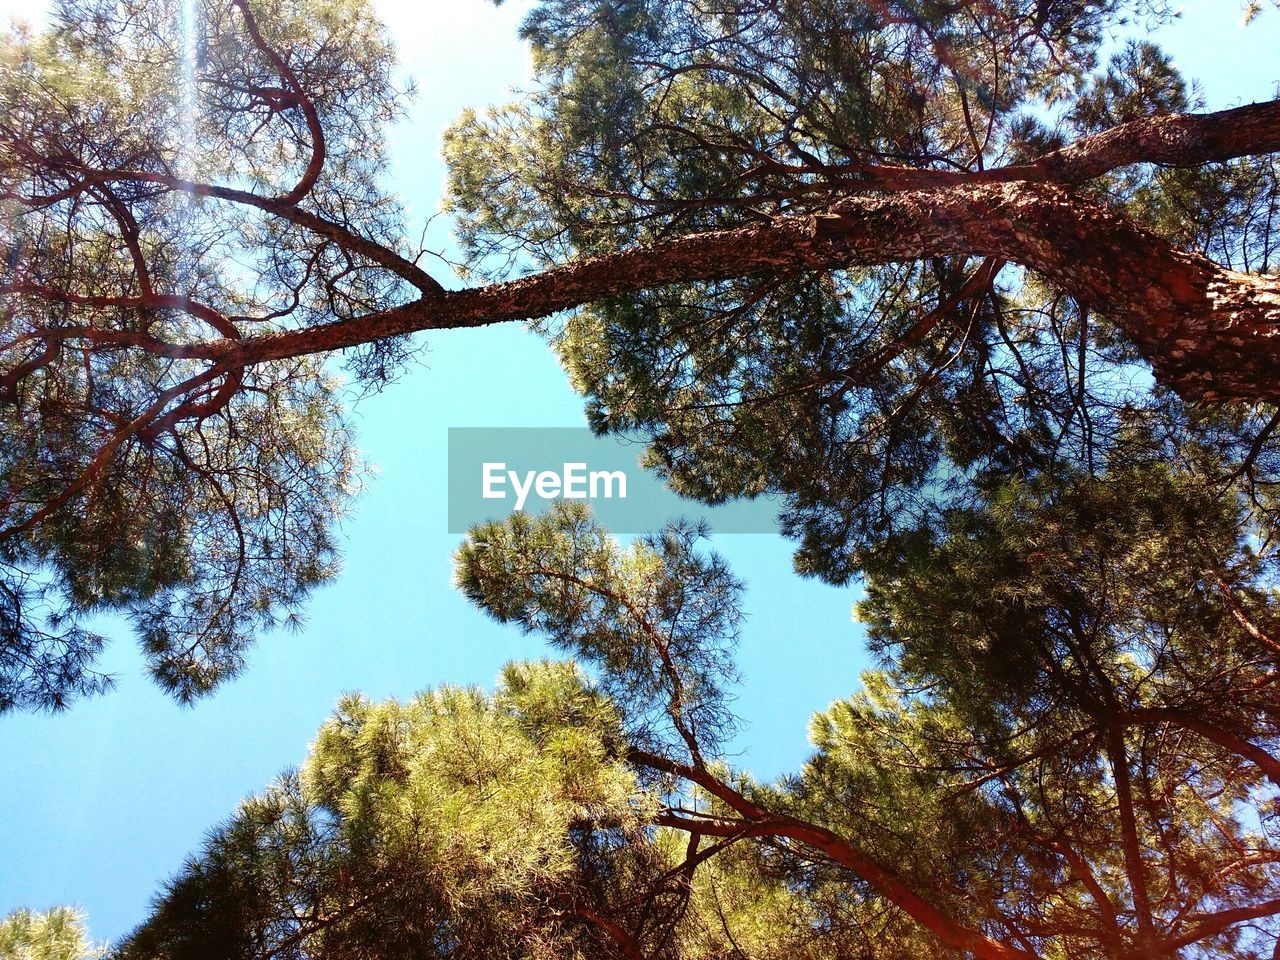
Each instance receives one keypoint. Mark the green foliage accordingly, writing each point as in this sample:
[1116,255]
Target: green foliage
[57,934]
[198,502]
[203,542]
[865,398]
[135,467]
[658,620]
[1066,635]
[651,118]
[1135,565]
[445,826]
[1071,748]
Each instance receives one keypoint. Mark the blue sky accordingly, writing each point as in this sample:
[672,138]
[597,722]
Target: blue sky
[102,802]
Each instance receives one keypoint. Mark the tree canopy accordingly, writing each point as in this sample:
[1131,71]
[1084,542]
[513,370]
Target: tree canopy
[56,934]
[864,257]
[1069,753]
[993,317]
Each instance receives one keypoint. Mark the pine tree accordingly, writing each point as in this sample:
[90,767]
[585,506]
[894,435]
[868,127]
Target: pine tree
[870,257]
[57,934]
[1071,751]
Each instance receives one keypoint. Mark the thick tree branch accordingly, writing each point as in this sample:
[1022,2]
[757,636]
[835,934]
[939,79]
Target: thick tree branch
[625,943]
[1241,747]
[1169,139]
[1214,924]
[318,149]
[284,207]
[1172,140]
[1209,332]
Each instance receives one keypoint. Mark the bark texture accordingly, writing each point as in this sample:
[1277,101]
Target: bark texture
[1209,333]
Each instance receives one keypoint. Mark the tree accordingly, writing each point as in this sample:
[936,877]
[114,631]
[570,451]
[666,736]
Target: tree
[433,827]
[864,257]
[1070,753]
[994,320]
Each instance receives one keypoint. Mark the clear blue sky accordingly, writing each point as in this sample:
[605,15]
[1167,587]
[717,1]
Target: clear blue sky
[99,804]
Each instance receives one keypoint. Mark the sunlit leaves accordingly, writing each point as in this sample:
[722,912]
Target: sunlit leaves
[1062,638]
[57,934]
[198,499]
[445,826]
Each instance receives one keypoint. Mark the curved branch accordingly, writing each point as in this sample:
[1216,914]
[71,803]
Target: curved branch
[280,207]
[107,452]
[1241,747]
[880,878]
[675,704]
[1171,139]
[1214,923]
[1210,333]
[304,103]
[149,301]
[624,941]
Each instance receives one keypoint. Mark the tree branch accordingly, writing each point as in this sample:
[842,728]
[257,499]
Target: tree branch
[1209,332]
[880,878]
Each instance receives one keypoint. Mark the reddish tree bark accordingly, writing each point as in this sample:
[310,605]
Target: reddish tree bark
[1210,333]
